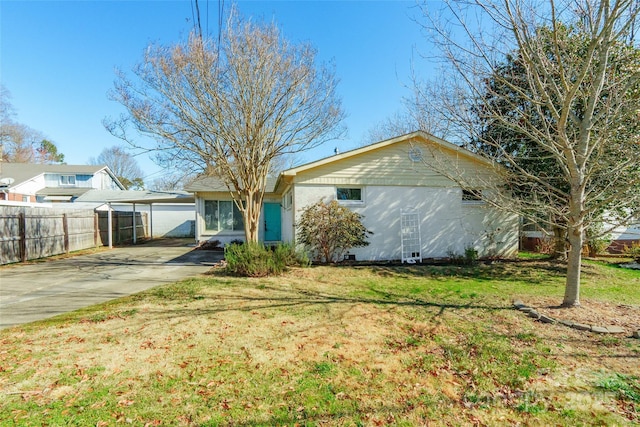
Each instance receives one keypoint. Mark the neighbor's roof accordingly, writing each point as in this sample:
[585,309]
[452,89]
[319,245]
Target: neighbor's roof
[136,196]
[62,191]
[22,172]
[214,184]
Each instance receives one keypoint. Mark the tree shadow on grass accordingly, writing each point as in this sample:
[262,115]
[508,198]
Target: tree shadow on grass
[279,298]
[534,272]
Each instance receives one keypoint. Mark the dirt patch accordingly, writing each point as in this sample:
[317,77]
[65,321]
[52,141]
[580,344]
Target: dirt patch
[591,313]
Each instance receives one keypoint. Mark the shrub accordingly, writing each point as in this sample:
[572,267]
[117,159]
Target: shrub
[255,260]
[287,255]
[470,255]
[633,251]
[597,242]
[329,230]
[249,259]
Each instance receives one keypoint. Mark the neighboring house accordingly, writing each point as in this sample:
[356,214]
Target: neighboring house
[379,181]
[27,182]
[624,237]
[536,238]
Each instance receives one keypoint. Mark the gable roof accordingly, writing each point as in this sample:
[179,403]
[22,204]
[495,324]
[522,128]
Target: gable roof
[22,172]
[375,146]
[216,185]
[418,136]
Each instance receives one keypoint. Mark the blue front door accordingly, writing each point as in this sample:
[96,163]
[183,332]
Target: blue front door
[272,222]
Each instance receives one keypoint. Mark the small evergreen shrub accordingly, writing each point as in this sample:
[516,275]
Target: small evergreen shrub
[470,255]
[255,260]
[249,259]
[287,255]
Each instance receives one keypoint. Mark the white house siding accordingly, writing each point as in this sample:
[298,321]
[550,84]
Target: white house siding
[103,181]
[447,226]
[30,187]
[99,180]
[391,166]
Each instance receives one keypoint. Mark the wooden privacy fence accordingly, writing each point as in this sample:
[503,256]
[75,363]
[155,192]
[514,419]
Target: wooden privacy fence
[29,233]
[122,226]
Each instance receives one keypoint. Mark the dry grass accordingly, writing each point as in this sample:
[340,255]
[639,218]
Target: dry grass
[328,346]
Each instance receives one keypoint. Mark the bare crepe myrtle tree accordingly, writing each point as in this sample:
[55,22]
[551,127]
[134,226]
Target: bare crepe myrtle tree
[563,121]
[228,107]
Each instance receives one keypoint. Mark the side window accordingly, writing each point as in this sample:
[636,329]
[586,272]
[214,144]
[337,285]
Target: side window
[471,196]
[349,194]
[287,200]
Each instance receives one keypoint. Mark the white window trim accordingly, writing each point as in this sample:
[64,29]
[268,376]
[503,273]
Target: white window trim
[287,200]
[212,232]
[351,202]
[62,184]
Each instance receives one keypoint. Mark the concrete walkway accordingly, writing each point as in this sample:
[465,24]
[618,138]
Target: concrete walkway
[37,291]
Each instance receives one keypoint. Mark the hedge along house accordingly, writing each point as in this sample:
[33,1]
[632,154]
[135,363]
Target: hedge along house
[394,184]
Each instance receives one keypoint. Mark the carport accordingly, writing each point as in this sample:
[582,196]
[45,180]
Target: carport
[145,197]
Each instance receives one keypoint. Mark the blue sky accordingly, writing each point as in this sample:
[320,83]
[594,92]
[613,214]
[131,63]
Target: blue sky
[57,59]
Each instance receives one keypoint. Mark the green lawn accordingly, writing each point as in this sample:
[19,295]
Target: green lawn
[331,346]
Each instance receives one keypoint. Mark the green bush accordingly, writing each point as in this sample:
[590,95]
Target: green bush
[287,255]
[256,260]
[470,255]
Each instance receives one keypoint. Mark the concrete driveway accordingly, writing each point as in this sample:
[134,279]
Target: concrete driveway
[37,291]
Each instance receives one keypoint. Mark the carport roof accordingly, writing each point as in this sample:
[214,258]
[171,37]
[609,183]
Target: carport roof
[141,196]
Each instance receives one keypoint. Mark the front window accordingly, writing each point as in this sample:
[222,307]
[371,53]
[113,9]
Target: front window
[349,194]
[67,180]
[222,215]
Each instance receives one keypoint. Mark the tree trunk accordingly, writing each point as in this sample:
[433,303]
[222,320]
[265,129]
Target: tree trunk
[559,244]
[572,287]
[251,215]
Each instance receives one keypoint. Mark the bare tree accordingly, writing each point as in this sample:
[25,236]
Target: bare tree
[229,108]
[575,96]
[18,142]
[417,113]
[123,165]
[169,182]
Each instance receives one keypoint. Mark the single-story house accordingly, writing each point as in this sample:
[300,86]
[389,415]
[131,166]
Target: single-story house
[405,198]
